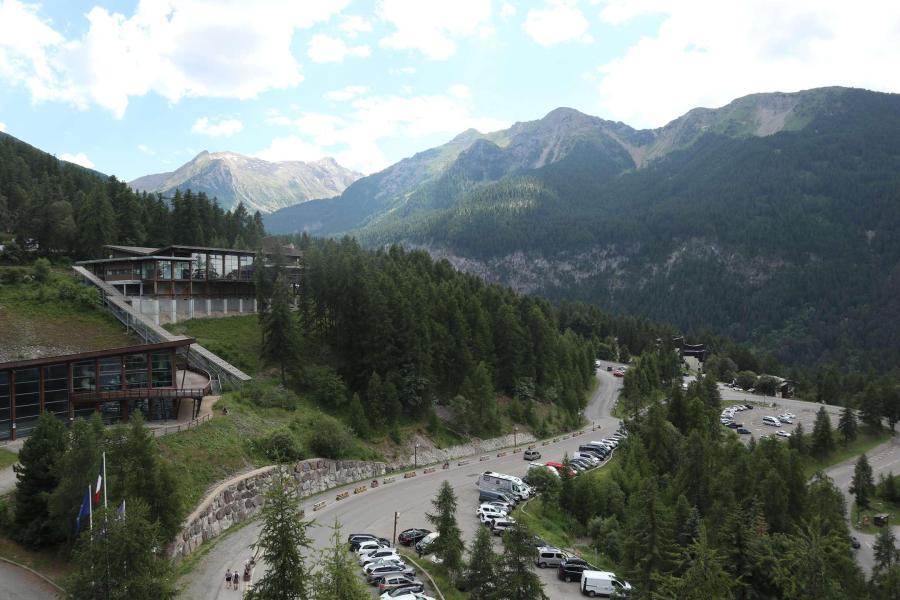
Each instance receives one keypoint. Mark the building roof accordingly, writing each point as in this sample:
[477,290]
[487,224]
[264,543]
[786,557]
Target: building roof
[138,250]
[65,358]
[135,258]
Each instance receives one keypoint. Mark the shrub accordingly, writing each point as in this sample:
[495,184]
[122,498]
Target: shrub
[268,396]
[325,386]
[280,445]
[41,270]
[329,438]
[13,275]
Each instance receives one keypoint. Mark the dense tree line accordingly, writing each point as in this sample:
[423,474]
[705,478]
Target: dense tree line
[401,331]
[54,208]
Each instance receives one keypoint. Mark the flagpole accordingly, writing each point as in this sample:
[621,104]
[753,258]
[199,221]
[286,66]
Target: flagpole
[105,481]
[91,508]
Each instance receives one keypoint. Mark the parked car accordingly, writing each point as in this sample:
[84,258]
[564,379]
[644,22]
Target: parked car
[387,553]
[743,431]
[532,455]
[771,421]
[355,539]
[382,562]
[854,542]
[501,525]
[782,433]
[388,570]
[406,591]
[408,537]
[489,514]
[400,581]
[549,557]
[618,373]
[369,546]
[423,544]
[603,583]
[572,568]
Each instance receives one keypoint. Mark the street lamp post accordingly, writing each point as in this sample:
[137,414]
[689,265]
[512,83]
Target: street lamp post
[515,438]
[416,457]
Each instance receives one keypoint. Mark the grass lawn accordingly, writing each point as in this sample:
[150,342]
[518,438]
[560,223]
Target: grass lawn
[877,507]
[236,339]
[437,572]
[863,443]
[7,458]
[35,322]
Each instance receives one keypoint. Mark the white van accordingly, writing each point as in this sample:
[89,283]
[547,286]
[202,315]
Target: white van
[771,421]
[604,584]
[500,482]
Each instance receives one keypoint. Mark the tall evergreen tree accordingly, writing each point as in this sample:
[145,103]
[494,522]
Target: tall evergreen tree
[517,581]
[847,424]
[862,485]
[885,551]
[336,579]
[704,576]
[37,475]
[448,545]
[822,438]
[282,541]
[77,469]
[481,571]
[281,341]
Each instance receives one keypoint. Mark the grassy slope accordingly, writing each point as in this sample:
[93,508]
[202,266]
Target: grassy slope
[236,339]
[865,442]
[7,458]
[31,328]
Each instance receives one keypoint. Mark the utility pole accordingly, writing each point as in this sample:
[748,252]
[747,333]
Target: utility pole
[394,539]
[515,437]
[416,456]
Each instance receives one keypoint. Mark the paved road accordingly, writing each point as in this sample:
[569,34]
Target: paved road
[883,458]
[19,584]
[373,511]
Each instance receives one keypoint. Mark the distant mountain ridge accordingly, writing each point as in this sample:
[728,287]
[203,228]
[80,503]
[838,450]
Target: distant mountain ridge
[260,184]
[774,219]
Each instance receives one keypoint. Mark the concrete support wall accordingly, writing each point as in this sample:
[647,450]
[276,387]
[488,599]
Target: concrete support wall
[168,310]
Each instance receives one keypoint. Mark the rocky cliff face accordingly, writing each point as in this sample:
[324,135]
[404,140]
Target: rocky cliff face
[261,185]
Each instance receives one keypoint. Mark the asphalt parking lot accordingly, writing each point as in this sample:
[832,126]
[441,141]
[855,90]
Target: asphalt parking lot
[768,406]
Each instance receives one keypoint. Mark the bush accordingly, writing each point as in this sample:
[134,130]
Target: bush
[41,270]
[325,386]
[329,438]
[267,396]
[13,275]
[280,445]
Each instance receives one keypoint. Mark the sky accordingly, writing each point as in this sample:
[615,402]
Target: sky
[137,87]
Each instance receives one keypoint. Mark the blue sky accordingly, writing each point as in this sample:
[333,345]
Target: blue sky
[132,88]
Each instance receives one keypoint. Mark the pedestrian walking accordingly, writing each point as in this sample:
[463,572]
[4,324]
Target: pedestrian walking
[227,579]
[236,579]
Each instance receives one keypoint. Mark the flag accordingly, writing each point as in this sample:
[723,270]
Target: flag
[121,509]
[85,510]
[98,489]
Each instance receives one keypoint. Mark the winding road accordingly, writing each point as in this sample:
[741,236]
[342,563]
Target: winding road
[373,511]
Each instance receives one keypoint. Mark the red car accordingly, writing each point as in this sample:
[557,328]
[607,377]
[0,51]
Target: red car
[559,467]
[618,373]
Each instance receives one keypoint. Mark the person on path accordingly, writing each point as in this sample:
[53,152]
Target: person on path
[236,578]
[228,579]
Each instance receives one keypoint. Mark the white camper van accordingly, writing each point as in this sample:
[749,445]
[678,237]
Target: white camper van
[603,584]
[499,482]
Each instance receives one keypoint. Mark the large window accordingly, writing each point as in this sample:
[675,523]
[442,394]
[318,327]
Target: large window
[162,369]
[149,268]
[165,269]
[84,376]
[4,405]
[136,370]
[111,373]
[182,269]
[215,266]
[231,266]
[56,390]
[199,265]
[28,401]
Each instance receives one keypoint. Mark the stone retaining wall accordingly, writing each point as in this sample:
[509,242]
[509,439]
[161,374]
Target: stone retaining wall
[428,454]
[242,498]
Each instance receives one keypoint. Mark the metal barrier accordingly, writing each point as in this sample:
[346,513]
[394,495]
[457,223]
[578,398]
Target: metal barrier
[387,480]
[409,474]
[319,505]
[342,495]
[430,470]
[461,463]
[360,489]
[484,458]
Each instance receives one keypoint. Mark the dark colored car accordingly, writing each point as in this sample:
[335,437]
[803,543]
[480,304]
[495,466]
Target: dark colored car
[743,431]
[571,569]
[854,542]
[411,536]
[416,588]
[355,539]
[734,425]
[532,454]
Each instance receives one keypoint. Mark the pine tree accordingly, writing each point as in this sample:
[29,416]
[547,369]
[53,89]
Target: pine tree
[481,577]
[517,580]
[798,440]
[822,438]
[448,545]
[649,545]
[76,469]
[37,476]
[885,551]
[359,422]
[336,578]
[704,577]
[281,342]
[847,424]
[120,558]
[870,407]
[283,540]
[862,486]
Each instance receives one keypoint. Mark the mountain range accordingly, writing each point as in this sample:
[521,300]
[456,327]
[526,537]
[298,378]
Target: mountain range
[774,219]
[260,184]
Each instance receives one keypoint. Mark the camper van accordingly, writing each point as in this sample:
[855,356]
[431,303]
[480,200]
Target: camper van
[499,482]
[603,584]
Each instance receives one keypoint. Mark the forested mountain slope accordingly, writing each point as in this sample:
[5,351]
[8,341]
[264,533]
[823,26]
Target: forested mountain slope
[774,219]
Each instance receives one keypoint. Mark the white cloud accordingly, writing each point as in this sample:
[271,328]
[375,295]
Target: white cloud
[459,90]
[2,127]
[79,159]
[354,139]
[146,149]
[707,52]
[402,70]
[353,25]
[217,127]
[347,93]
[324,48]
[507,10]
[560,21]
[189,48]
[431,27]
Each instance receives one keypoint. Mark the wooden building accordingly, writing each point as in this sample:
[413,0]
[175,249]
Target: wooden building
[114,382]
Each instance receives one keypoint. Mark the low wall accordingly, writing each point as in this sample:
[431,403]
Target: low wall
[428,454]
[172,310]
[243,497]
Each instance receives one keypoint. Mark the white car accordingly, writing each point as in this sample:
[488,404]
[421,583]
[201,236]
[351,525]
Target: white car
[490,509]
[384,553]
[412,596]
[488,517]
[782,433]
[771,421]
[367,547]
[383,562]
